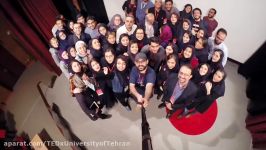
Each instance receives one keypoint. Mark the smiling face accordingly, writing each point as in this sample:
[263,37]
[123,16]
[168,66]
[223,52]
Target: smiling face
[54,43]
[134,49]
[218,76]
[117,21]
[184,75]
[200,34]
[76,67]
[173,18]
[188,52]
[111,39]
[171,63]
[139,34]
[216,56]
[62,35]
[102,30]
[64,55]
[188,9]
[120,64]
[196,14]
[95,66]
[77,29]
[186,38]
[109,57]
[168,5]
[169,50]
[141,64]
[72,52]
[96,44]
[125,41]
[203,69]
[185,25]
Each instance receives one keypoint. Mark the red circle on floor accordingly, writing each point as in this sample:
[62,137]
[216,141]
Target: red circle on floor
[196,124]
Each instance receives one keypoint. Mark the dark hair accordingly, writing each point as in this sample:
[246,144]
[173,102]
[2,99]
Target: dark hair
[221,54]
[189,34]
[222,30]
[89,64]
[208,66]
[90,18]
[204,35]
[71,69]
[187,66]
[176,14]
[192,53]
[174,56]
[102,25]
[198,10]
[109,33]
[123,35]
[187,5]
[123,57]
[90,42]
[154,40]
[79,15]
[59,16]
[109,49]
[214,10]
[168,1]
[223,71]
[204,42]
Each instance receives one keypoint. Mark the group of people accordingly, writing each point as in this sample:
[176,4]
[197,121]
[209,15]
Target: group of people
[156,49]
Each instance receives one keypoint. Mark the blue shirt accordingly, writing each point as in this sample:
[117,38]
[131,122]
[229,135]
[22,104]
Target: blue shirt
[140,80]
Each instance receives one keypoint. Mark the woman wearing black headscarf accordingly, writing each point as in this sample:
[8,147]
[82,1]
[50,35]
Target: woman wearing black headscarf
[201,74]
[63,39]
[82,87]
[102,77]
[170,66]
[216,60]
[95,49]
[188,57]
[120,82]
[140,37]
[209,92]
[186,13]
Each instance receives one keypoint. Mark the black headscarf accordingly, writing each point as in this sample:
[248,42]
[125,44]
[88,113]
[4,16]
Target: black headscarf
[197,78]
[123,76]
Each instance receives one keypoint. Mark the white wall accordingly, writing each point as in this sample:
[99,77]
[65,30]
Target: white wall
[244,21]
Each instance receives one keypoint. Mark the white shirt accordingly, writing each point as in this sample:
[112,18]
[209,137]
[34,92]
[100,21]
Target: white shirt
[213,46]
[122,30]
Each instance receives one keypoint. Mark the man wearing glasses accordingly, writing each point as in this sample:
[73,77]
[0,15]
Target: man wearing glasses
[179,91]
[218,43]
[142,80]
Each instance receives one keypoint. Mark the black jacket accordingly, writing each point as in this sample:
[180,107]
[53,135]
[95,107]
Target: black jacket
[185,98]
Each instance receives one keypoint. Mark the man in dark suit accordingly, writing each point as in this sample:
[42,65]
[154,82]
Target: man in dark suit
[179,91]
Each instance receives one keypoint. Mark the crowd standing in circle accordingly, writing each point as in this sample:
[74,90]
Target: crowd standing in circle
[157,49]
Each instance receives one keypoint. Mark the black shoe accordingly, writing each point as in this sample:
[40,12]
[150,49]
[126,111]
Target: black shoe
[93,117]
[161,105]
[159,96]
[105,116]
[168,115]
[128,107]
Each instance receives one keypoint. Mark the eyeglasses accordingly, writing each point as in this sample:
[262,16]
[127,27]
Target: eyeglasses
[183,74]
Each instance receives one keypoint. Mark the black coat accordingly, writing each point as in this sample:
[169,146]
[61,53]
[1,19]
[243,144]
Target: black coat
[203,101]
